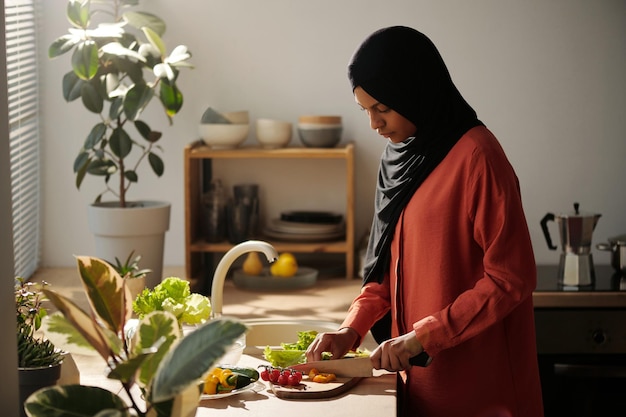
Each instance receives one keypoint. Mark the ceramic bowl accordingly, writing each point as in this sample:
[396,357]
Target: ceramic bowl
[320,119]
[319,136]
[237,117]
[273,134]
[211,115]
[223,136]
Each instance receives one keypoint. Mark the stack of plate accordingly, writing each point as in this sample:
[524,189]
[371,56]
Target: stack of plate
[306,226]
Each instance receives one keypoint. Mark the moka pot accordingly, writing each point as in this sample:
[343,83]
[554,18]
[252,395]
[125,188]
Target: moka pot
[575,231]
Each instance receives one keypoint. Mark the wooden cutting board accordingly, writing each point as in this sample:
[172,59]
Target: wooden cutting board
[308,390]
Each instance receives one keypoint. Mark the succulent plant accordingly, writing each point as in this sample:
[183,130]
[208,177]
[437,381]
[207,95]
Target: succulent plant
[33,350]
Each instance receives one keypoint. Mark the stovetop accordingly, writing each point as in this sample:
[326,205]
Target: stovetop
[607,280]
[608,291]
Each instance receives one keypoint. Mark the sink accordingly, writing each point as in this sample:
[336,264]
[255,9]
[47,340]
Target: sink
[264,332]
[273,332]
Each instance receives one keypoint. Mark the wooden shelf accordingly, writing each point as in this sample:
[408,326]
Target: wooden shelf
[196,247]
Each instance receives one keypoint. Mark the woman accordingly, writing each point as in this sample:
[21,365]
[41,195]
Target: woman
[449,256]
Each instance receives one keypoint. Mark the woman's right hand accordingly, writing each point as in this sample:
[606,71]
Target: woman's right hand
[337,343]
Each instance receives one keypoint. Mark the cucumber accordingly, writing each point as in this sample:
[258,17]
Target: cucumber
[245,376]
[249,372]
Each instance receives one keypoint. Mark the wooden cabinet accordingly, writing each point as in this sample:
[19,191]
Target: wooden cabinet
[198,159]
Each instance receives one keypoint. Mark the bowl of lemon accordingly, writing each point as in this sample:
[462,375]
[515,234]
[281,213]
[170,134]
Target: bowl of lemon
[282,274]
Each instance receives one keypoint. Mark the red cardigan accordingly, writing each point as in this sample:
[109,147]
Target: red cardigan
[462,273]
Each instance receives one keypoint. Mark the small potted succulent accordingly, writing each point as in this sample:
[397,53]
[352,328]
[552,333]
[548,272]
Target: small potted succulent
[119,65]
[39,361]
[130,272]
[159,369]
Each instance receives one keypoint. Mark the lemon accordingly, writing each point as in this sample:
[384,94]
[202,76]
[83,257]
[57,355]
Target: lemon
[285,266]
[252,265]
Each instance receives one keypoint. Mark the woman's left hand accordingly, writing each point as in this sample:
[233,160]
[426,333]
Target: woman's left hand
[394,354]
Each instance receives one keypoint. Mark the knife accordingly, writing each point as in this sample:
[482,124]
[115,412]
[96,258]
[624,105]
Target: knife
[360,366]
[357,367]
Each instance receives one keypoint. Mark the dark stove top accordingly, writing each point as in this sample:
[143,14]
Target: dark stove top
[607,280]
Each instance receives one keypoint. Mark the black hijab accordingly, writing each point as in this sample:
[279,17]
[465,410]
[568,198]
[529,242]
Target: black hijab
[402,69]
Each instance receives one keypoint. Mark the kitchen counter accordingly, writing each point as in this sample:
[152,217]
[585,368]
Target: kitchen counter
[609,290]
[373,396]
[327,300]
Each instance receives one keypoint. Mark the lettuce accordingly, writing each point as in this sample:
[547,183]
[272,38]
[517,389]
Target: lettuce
[284,358]
[174,295]
[291,353]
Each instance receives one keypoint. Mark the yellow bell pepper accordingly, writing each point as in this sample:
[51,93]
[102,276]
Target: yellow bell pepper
[210,384]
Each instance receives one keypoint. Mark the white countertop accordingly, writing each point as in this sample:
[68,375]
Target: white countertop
[373,396]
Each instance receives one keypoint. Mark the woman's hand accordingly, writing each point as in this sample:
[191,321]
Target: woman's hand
[338,343]
[394,354]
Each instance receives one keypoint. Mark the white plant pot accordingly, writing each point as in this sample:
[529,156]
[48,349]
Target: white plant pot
[141,229]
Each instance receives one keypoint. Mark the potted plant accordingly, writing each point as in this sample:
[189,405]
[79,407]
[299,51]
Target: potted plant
[120,65]
[164,366]
[134,277]
[39,362]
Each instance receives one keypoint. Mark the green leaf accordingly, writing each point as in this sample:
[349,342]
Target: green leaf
[140,20]
[155,40]
[78,13]
[117,49]
[81,161]
[56,323]
[74,400]
[171,97]
[157,330]
[72,86]
[121,144]
[83,322]
[101,167]
[137,98]
[131,175]
[126,371]
[82,169]
[62,45]
[156,163]
[95,136]
[85,59]
[91,99]
[108,296]
[115,110]
[143,128]
[193,356]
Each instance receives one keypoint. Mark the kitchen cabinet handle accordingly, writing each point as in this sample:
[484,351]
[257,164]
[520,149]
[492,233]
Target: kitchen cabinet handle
[589,371]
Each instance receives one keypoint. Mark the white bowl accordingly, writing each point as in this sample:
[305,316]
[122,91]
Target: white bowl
[273,134]
[223,136]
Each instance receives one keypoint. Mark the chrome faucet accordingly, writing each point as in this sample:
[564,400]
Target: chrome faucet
[217,288]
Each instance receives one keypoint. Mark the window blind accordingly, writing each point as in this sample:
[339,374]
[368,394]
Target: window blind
[21,49]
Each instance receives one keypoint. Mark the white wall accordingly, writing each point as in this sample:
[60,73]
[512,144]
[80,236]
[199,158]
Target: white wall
[547,77]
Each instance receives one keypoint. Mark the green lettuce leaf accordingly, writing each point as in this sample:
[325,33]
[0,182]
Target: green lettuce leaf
[174,295]
[291,353]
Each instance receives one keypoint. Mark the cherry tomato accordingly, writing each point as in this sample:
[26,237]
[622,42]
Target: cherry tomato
[274,374]
[292,380]
[283,379]
[265,375]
